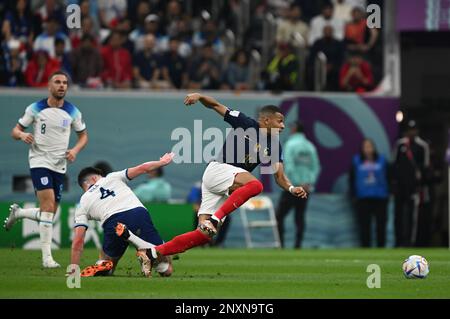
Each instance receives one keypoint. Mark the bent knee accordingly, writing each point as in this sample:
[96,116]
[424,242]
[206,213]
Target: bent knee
[257,186]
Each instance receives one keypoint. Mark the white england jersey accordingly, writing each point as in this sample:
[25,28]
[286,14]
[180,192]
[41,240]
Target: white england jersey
[110,195]
[51,131]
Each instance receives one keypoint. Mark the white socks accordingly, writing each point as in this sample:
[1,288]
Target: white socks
[138,242]
[30,213]
[46,232]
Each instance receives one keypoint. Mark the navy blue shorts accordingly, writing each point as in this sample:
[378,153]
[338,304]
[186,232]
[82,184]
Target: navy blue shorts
[44,178]
[138,221]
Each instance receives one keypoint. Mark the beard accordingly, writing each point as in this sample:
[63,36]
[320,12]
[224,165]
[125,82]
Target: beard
[59,96]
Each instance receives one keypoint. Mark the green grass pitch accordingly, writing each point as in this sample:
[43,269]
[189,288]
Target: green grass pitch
[234,273]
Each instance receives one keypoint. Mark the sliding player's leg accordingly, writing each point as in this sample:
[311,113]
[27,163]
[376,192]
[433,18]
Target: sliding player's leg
[105,266]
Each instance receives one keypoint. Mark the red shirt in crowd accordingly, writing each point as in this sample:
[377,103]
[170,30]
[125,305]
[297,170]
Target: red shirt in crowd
[117,67]
[40,68]
[355,83]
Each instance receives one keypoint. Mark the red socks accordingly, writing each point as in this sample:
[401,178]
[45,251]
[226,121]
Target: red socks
[195,238]
[239,197]
[183,242]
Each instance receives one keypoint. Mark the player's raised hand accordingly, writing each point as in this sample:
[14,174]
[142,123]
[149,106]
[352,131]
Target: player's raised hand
[27,137]
[191,98]
[299,192]
[167,158]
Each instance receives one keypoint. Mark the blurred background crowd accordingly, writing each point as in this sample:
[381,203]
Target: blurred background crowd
[275,45]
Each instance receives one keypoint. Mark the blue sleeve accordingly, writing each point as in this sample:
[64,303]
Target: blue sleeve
[239,120]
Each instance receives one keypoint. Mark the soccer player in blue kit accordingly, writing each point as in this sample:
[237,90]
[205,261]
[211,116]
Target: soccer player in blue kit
[227,182]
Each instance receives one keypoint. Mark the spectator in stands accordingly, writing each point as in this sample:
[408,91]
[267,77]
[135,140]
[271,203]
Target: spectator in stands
[12,64]
[147,65]
[174,66]
[342,10]
[110,11]
[87,73]
[87,27]
[46,40]
[123,26]
[40,68]
[356,74]
[63,57]
[156,189]
[231,15]
[334,52]
[282,72]
[174,13]
[237,73]
[302,167]
[89,10]
[369,190]
[253,38]
[117,67]
[357,35]
[151,26]
[326,18]
[51,9]
[184,35]
[204,72]
[209,34]
[142,10]
[19,19]
[291,25]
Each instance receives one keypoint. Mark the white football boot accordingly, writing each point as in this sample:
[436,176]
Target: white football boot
[11,219]
[50,263]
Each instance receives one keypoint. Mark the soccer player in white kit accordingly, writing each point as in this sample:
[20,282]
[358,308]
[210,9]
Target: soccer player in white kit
[52,119]
[110,201]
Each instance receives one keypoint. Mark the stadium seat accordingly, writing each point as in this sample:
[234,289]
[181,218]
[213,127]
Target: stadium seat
[257,206]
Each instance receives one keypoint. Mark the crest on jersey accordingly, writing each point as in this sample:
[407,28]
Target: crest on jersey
[65,123]
[44,180]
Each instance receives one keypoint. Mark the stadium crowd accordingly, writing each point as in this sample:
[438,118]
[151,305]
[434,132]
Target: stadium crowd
[156,44]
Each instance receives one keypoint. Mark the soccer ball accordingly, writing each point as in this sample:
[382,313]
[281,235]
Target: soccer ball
[415,267]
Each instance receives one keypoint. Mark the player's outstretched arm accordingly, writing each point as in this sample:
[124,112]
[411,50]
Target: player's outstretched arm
[147,167]
[18,133]
[283,181]
[77,245]
[207,101]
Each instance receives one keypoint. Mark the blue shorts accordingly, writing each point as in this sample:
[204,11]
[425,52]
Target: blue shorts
[44,178]
[138,221]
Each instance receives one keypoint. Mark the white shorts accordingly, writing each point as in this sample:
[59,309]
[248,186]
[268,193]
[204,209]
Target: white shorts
[216,180]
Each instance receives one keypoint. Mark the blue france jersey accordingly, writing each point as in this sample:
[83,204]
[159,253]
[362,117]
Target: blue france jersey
[246,146]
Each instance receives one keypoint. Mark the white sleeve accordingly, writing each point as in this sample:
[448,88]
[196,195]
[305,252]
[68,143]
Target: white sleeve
[120,175]
[78,123]
[27,118]
[81,218]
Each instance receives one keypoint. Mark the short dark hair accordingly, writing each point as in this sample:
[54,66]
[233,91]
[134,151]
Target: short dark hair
[87,171]
[59,72]
[269,110]
[298,126]
[59,40]
[104,166]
